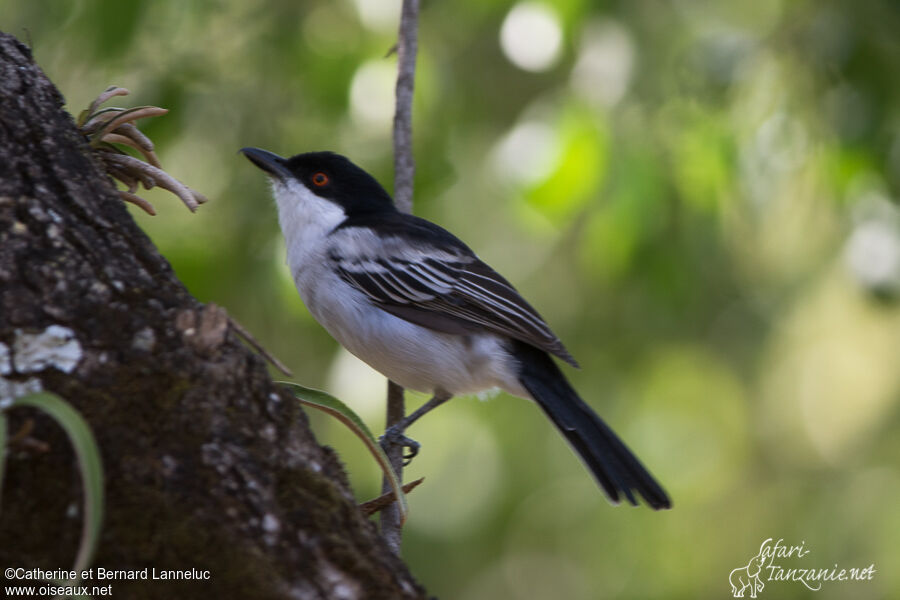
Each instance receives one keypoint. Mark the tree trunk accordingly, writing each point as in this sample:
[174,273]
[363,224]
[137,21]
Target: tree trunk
[208,465]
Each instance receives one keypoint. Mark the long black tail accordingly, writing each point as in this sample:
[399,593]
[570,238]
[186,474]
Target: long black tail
[612,463]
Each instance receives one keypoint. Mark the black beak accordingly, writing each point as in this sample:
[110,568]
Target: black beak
[269,162]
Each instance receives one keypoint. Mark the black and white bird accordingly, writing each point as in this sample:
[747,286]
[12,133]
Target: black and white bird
[415,303]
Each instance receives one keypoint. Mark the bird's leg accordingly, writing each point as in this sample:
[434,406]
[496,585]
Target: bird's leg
[394,434]
[439,398]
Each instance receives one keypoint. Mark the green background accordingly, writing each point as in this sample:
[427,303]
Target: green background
[700,198]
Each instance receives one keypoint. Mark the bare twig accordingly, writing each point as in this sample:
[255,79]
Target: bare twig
[28,426]
[404,164]
[391,525]
[244,333]
[404,170]
[23,439]
[374,505]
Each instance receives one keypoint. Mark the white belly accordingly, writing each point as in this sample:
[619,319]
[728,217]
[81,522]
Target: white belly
[413,356]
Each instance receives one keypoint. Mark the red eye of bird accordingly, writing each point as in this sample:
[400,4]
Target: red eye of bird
[320,179]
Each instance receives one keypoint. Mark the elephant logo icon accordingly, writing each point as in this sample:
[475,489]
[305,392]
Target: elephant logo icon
[744,578]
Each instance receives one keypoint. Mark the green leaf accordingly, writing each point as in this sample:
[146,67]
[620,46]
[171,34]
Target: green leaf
[343,413]
[89,464]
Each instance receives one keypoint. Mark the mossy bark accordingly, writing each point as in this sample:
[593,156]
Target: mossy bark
[208,465]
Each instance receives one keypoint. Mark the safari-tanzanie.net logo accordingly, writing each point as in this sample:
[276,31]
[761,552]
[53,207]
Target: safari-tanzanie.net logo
[777,561]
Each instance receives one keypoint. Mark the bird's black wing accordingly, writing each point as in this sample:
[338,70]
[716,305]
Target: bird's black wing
[419,272]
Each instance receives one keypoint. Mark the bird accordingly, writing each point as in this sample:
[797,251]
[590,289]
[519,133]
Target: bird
[417,304]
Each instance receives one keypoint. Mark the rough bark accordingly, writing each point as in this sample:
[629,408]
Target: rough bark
[208,465]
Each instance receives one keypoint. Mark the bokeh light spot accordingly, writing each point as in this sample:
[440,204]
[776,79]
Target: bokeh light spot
[358,385]
[528,153]
[372,94]
[378,15]
[531,36]
[605,63]
[462,464]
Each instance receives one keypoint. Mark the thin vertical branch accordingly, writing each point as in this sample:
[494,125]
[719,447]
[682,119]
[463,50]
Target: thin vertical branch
[404,164]
[404,171]
[390,516]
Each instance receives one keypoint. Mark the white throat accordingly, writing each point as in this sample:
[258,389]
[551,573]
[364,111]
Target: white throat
[306,220]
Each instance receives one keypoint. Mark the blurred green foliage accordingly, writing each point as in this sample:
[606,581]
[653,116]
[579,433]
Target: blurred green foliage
[700,197]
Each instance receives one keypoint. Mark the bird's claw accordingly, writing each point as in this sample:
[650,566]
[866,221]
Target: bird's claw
[394,436]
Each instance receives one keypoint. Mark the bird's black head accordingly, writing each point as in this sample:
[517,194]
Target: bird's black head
[327,175]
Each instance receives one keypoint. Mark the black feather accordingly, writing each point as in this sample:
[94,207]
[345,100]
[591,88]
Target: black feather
[614,466]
